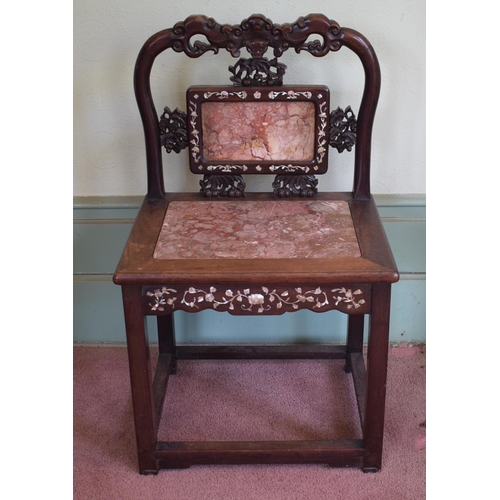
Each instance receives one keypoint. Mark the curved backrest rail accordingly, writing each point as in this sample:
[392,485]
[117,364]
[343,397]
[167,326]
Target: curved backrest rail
[257,34]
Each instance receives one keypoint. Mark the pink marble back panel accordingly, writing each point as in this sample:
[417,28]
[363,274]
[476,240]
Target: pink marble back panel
[259,131]
[257,229]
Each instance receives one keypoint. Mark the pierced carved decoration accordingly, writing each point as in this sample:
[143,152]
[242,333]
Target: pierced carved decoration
[173,130]
[342,129]
[289,185]
[256,299]
[257,34]
[257,72]
[216,186]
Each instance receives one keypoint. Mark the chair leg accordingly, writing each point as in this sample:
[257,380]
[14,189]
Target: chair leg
[355,327]
[141,379]
[378,344]
[166,339]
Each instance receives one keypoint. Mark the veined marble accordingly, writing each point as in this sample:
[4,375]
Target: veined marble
[259,131]
[245,229]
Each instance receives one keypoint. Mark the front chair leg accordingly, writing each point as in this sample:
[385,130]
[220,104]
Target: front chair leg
[376,377]
[166,339]
[141,379]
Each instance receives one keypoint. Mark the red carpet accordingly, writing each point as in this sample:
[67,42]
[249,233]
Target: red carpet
[251,400]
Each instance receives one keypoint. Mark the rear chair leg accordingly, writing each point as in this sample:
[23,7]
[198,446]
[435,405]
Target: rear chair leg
[355,327]
[166,339]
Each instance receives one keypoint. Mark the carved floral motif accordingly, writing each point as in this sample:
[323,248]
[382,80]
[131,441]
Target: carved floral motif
[301,185]
[264,299]
[257,72]
[220,186]
[173,130]
[342,129]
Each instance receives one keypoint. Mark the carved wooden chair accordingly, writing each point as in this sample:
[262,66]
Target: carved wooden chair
[257,253]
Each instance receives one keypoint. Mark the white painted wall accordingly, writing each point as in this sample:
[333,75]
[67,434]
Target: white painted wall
[109,156]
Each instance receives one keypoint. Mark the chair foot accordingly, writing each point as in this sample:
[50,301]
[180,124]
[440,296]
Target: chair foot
[152,472]
[348,366]
[175,466]
[368,470]
[173,367]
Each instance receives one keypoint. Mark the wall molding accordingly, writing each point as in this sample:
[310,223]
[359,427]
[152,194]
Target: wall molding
[135,201]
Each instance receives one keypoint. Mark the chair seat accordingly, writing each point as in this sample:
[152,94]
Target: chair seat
[187,239]
[257,229]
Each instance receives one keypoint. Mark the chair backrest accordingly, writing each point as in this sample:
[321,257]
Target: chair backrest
[257,34]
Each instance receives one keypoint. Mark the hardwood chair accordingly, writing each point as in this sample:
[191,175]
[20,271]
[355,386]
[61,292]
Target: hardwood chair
[257,253]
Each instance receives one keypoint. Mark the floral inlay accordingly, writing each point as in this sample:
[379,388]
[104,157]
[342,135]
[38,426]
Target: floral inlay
[290,94]
[162,298]
[321,132]
[263,300]
[227,168]
[289,168]
[225,94]
[195,141]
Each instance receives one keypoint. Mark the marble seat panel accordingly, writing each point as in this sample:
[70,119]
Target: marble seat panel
[270,229]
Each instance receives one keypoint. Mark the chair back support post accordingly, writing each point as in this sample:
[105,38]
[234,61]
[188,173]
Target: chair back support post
[363,49]
[142,88]
[230,38]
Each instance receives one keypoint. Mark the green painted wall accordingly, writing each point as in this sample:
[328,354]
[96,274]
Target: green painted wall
[102,226]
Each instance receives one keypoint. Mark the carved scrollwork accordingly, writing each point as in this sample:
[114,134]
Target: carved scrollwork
[173,130]
[342,129]
[215,186]
[289,185]
[257,34]
[257,72]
